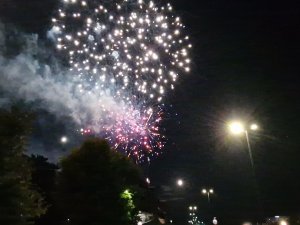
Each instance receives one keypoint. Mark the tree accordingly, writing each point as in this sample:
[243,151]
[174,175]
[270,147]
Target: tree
[19,203]
[97,186]
[44,178]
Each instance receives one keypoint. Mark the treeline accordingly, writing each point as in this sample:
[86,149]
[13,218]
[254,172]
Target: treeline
[93,185]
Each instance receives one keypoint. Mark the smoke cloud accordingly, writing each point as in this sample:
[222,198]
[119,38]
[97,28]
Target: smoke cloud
[23,77]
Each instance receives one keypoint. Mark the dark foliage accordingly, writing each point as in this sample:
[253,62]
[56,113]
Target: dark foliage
[44,178]
[91,182]
[20,203]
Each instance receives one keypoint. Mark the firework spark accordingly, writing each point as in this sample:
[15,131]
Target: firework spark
[133,45]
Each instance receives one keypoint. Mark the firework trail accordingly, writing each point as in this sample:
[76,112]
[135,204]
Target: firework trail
[134,50]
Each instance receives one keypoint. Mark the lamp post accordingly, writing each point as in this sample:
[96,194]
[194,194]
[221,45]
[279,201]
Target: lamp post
[238,128]
[208,192]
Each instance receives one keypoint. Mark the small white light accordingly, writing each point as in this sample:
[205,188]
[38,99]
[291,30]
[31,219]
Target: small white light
[64,140]
[180,182]
[254,127]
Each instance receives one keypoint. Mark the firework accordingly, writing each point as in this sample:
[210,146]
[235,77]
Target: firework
[130,52]
[131,44]
[137,133]
[131,130]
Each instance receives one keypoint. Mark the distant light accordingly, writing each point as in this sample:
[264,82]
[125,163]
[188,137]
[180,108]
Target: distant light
[254,127]
[140,223]
[195,207]
[180,182]
[283,222]
[191,208]
[236,127]
[204,191]
[215,221]
[64,140]
[211,191]
[148,180]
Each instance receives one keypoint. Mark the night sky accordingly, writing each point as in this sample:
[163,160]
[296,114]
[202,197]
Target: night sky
[245,66]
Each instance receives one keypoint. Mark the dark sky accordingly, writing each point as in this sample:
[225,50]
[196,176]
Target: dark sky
[245,65]
[246,56]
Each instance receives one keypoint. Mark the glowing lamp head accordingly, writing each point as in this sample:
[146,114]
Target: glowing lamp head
[180,182]
[283,222]
[211,191]
[193,208]
[236,127]
[204,191]
[254,127]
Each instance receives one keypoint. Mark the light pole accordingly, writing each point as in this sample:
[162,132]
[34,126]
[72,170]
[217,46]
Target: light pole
[208,192]
[238,128]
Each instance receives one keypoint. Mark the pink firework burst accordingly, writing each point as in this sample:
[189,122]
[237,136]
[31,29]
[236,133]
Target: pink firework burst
[133,132]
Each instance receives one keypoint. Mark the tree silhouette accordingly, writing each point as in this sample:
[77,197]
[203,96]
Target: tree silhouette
[19,203]
[44,178]
[98,186]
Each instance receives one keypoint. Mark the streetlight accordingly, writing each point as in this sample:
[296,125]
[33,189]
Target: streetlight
[254,126]
[64,140]
[208,192]
[148,180]
[238,128]
[193,219]
[215,221]
[283,222]
[192,208]
[180,182]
